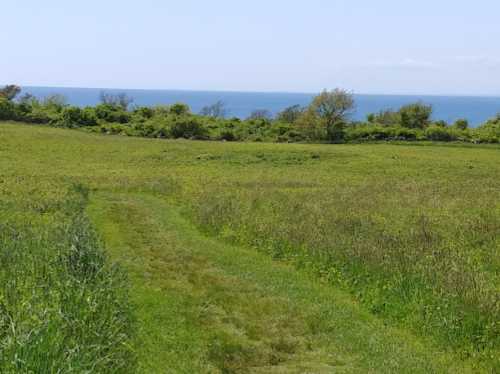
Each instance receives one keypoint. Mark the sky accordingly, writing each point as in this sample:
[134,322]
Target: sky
[437,47]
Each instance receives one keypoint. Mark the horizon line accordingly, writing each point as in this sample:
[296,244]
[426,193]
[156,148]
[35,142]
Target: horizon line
[257,91]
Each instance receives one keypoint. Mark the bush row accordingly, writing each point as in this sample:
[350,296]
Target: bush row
[325,120]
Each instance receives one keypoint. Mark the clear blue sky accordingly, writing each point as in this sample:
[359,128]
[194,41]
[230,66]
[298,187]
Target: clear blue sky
[368,46]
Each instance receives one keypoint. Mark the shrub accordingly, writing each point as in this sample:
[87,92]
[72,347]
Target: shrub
[227,134]
[367,132]
[143,113]
[485,136]
[111,113]
[295,136]
[76,117]
[188,128]
[310,127]
[325,119]
[114,129]
[403,133]
[216,110]
[260,114]
[120,101]
[7,109]
[441,123]
[155,127]
[39,115]
[438,133]
[226,130]
[290,114]
[489,132]
[179,109]
[385,118]
[279,128]
[461,124]
[10,91]
[335,131]
[54,103]
[415,116]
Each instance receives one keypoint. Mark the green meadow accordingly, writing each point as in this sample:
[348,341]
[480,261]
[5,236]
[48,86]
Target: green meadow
[133,255]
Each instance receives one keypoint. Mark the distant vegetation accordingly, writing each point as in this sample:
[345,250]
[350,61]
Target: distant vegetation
[326,119]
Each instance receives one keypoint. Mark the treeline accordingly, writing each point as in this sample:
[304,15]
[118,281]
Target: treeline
[326,119]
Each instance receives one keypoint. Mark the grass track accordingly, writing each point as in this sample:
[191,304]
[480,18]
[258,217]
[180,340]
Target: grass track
[204,306]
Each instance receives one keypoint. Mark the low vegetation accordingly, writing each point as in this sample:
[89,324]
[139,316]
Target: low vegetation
[247,257]
[326,119]
[411,253]
[63,308]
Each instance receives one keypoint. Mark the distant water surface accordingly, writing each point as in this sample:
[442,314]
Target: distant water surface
[240,104]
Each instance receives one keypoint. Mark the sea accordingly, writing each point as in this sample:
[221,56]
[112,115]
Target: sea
[240,104]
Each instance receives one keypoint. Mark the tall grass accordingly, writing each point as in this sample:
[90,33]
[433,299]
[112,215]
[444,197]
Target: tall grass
[63,307]
[405,252]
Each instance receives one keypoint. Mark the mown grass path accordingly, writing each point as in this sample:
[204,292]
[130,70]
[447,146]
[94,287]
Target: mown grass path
[203,306]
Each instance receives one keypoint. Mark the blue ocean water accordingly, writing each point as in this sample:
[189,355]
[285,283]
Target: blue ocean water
[240,104]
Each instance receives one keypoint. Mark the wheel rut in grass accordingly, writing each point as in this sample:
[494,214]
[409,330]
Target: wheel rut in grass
[203,306]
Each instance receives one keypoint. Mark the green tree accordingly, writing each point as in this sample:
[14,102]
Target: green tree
[333,109]
[120,100]
[334,106]
[336,131]
[416,116]
[290,114]
[179,109]
[216,110]
[441,123]
[7,109]
[461,124]
[309,126]
[385,118]
[10,91]
[55,102]
[263,114]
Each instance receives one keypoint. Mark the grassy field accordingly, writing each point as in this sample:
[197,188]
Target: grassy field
[236,258]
